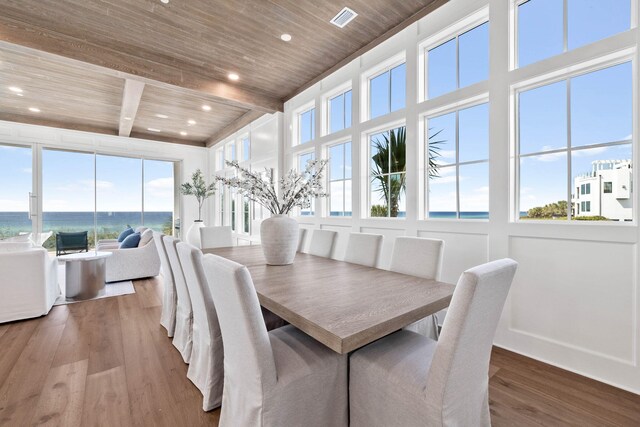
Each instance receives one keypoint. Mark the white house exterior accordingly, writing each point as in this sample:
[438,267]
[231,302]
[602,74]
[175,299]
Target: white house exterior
[605,191]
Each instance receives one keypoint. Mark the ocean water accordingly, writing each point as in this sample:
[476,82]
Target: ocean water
[107,222]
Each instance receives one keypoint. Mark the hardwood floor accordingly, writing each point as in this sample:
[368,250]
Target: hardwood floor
[109,362]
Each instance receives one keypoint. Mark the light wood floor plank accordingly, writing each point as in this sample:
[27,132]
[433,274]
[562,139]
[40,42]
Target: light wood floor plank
[62,397]
[105,342]
[149,292]
[12,343]
[107,399]
[20,392]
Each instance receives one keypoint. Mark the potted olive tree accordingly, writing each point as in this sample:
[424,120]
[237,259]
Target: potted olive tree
[201,191]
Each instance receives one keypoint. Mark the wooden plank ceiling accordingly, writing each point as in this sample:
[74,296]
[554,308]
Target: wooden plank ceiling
[72,58]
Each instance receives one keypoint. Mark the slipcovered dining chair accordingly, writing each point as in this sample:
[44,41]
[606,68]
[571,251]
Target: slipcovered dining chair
[322,242]
[206,370]
[421,257]
[363,249]
[183,333]
[169,298]
[215,237]
[278,378]
[410,380]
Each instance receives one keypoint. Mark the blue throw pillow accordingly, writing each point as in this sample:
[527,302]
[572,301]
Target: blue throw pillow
[131,241]
[124,234]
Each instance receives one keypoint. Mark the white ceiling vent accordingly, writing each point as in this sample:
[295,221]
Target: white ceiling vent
[343,17]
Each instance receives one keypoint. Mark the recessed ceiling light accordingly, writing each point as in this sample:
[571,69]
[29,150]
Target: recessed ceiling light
[127,118]
[191,122]
[233,76]
[164,1]
[20,94]
[206,107]
[15,89]
[183,133]
[34,109]
[285,37]
[162,116]
[153,130]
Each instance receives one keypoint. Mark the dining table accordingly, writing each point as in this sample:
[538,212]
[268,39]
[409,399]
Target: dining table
[342,305]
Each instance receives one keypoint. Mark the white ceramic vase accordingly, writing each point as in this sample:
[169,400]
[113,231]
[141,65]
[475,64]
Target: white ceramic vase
[193,234]
[279,239]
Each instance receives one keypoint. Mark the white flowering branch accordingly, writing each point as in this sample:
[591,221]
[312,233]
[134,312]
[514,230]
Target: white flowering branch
[297,189]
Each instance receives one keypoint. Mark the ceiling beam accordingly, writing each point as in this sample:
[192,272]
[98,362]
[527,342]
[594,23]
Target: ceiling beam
[241,122]
[131,95]
[16,34]
[392,32]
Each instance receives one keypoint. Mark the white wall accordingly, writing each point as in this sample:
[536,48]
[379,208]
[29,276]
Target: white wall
[189,157]
[574,302]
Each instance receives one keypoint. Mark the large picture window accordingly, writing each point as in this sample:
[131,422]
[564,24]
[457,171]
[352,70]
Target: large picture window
[387,173]
[458,164]
[461,61]
[543,30]
[340,179]
[575,135]
[387,91]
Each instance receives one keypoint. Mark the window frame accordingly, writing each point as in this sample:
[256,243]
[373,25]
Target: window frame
[514,50]
[453,108]
[463,26]
[326,100]
[313,210]
[617,58]
[366,77]
[326,150]
[297,128]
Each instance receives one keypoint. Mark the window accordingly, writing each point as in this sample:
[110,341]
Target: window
[387,91]
[458,166]
[585,206]
[570,133]
[303,159]
[607,188]
[388,173]
[231,152]
[246,148]
[246,221]
[307,126]
[340,112]
[544,31]
[220,158]
[221,190]
[340,179]
[458,62]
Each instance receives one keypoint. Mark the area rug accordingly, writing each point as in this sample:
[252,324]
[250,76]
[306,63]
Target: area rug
[110,289]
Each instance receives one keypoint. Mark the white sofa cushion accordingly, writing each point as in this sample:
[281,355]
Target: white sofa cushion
[15,246]
[145,237]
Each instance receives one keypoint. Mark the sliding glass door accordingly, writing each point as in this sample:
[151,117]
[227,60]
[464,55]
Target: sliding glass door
[159,195]
[68,193]
[16,188]
[118,195]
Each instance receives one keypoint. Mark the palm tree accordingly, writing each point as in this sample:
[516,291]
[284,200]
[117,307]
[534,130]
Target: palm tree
[389,167]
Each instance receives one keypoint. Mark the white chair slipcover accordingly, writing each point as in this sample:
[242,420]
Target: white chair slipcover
[206,369]
[216,237]
[28,281]
[409,380]
[421,257]
[169,298]
[277,378]
[183,333]
[322,242]
[364,249]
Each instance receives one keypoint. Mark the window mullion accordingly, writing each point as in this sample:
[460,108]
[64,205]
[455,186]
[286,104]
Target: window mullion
[457,165]
[569,151]
[565,26]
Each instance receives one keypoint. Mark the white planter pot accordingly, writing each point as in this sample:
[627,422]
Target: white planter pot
[193,234]
[279,239]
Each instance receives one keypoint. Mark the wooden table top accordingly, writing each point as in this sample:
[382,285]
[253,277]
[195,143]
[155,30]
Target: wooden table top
[344,306]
